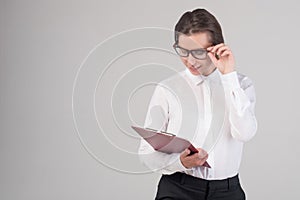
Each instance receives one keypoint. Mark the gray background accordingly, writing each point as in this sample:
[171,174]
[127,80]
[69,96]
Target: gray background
[43,44]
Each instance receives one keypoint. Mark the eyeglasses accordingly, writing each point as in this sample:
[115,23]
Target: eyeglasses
[200,53]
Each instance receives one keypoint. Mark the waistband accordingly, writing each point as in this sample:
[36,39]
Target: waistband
[203,184]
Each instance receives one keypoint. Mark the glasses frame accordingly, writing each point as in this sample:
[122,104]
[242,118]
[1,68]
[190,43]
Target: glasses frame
[190,51]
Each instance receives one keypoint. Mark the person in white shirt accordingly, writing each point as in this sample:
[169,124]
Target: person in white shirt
[218,90]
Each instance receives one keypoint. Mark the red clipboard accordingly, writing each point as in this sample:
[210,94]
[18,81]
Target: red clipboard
[166,142]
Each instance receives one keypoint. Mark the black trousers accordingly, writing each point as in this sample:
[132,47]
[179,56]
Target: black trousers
[180,186]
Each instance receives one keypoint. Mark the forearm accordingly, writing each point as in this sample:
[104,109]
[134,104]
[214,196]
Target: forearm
[241,102]
[158,161]
[243,126]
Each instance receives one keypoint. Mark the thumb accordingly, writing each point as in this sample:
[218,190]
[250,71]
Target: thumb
[186,152]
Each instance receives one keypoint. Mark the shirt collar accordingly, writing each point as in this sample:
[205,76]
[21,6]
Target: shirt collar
[197,79]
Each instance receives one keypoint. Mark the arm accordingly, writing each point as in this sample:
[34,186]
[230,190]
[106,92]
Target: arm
[240,96]
[154,160]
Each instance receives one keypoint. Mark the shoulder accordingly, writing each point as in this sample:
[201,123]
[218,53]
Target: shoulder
[173,85]
[174,77]
[169,81]
[175,80]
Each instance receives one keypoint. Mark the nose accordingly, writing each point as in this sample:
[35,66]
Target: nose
[191,59]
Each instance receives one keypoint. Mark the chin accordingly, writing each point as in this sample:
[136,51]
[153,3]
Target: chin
[194,72]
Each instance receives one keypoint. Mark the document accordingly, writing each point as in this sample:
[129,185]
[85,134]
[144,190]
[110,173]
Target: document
[166,142]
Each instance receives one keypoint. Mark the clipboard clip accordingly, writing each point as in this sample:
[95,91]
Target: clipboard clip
[163,132]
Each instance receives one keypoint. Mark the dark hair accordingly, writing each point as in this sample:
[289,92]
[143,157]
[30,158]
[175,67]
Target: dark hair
[199,20]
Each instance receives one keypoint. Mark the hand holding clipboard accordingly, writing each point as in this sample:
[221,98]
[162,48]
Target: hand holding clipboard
[166,142]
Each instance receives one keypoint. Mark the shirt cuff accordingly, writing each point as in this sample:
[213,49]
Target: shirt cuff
[230,81]
[178,166]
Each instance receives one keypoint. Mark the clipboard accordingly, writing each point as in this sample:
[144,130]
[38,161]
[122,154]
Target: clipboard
[166,142]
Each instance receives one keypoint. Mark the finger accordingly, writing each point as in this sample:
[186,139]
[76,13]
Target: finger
[222,49]
[216,47]
[202,153]
[226,53]
[213,58]
[185,153]
[204,159]
[200,162]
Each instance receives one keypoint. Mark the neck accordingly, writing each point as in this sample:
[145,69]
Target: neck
[210,71]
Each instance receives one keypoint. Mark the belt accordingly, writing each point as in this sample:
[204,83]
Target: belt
[203,184]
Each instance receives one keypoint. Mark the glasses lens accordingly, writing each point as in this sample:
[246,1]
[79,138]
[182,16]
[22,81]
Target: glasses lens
[199,53]
[181,52]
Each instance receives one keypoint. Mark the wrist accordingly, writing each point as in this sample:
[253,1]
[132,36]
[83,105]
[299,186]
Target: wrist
[230,81]
[228,71]
[183,165]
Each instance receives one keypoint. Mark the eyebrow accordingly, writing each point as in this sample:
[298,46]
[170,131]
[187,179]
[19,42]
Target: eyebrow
[191,49]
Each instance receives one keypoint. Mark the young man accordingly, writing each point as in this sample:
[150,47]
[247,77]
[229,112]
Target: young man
[209,63]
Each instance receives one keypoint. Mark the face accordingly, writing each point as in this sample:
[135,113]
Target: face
[196,41]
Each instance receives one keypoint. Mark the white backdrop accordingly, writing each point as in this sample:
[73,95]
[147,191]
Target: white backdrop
[44,43]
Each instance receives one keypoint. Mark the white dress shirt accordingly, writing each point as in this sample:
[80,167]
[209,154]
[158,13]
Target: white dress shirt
[239,124]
